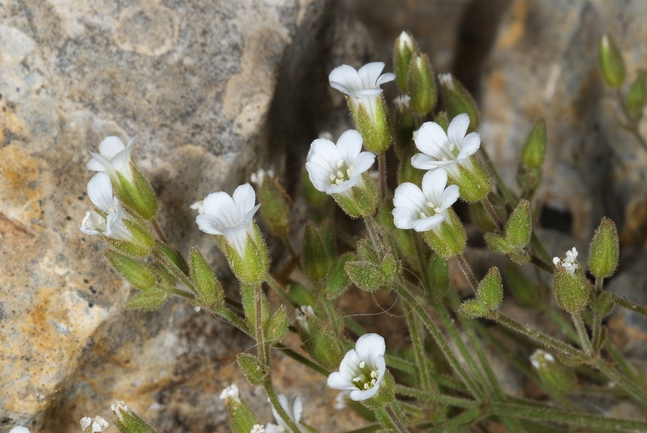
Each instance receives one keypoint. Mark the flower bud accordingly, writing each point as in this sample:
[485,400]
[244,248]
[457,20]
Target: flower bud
[89,425]
[404,49]
[127,421]
[241,417]
[612,64]
[254,369]
[450,239]
[534,149]
[210,292]
[604,304]
[276,203]
[365,274]
[489,296]
[137,273]
[314,256]
[518,229]
[442,120]
[318,338]
[277,326]
[458,100]
[150,299]
[571,289]
[422,87]
[604,250]
[403,124]
[556,376]
[637,96]
[338,281]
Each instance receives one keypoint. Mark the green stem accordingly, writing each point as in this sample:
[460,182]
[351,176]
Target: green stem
[620,360]
[540,264]
[233,319]
[626,303]
[258,323]
[418,349]
[539,248]
[274,399]
[368,429]
[467,272]
[509,197]
[632,126]
[397,416]
[583,337]
[628,385]
[492,213]
[337,324]
[439,338]
[435,397]
[302,359]
[280,290]
[381,163]
[466,418]
[565,417]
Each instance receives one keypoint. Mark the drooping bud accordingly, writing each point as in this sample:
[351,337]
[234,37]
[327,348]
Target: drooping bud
[637,96]
[422,86]
[209,289]
[127,421]
[556,376]
[404,49]
[604,251]
[612,64]
[137,273]
[458,100]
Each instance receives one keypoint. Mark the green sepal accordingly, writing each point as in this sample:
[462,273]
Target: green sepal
[458,100]
[527,293]
[275,211]
[365,275]
[385,395]
[405,47]
[612,64]
[473,309]
[489,295]
[138,195]
[314,255]
[637,96]
[375,132]
[338,281]
[253,267]
[534,149]
[174,256]
[447,240]
[422,86]
[129,422]
[248,299]
[150,299]
[556,376]
[518,229]
[438,277]
[604,304]
[604,251]
[277,326]
[210,293]
[173,263]
[360,200]
[241,417]
[144,240]
[390,267]
[474,183]
[138,274]
[571,291]
[254,369]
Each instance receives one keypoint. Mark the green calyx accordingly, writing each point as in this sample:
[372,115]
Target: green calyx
[138,195]
[129,422]
[373,126]
[612,64]
[516,236]
[422,86]
[473,181]
[489,296]
[604,251]
[458,100]
[210,293]
[571,290]
[449,238]
[534,149]
[252,266]
[360,200]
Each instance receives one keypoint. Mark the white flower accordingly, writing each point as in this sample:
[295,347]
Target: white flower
[119,407]
[258,177]
[336,168]
[423,210]
[257,429]
[97,424]
[445,150]
[230,392]
[229,216]
[569,263]
[294,411]
[362,368]
[113,158]
[540,358]
[362,86]
[109,219]
[19,429]
[405,42]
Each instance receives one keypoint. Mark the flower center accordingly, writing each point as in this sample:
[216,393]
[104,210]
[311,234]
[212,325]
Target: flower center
[343,173]
[430,211]
[366,377]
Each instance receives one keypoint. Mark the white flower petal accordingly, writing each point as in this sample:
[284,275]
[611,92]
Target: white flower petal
[337,381]
[471,144]
[426,224]
[350,144]
[433,185]
[93,224]
[358,395]
[370,346]
[369,73]
[385,78]
[19,429]
[345,79]
[450,195]
[297,409]
[425,162]
[100,192]
[432,140]
[244,197]
[208,224]
[458,127]
[111,146]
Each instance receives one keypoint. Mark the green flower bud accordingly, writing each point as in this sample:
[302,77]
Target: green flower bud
[473,180]
[527,293]
[210,292]
[637,96]
[127,421]
[314,256]
[422,87]
[604,251]
[276,203]
[150,299]
[137,273]
[241,417]
[534,150]
[604,304]
[489,295]
[458,100]
[528,180]
[318,339]
[571,287]
[404,124]
[277,326]
[404,49]
[254,369]
[442,120]
[518,229]
[359,201]
[612,64]
[338,281]
[449,239]
[556,376]
[437,277]
[365,275]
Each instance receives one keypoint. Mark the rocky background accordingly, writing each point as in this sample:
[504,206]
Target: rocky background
[216,90]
